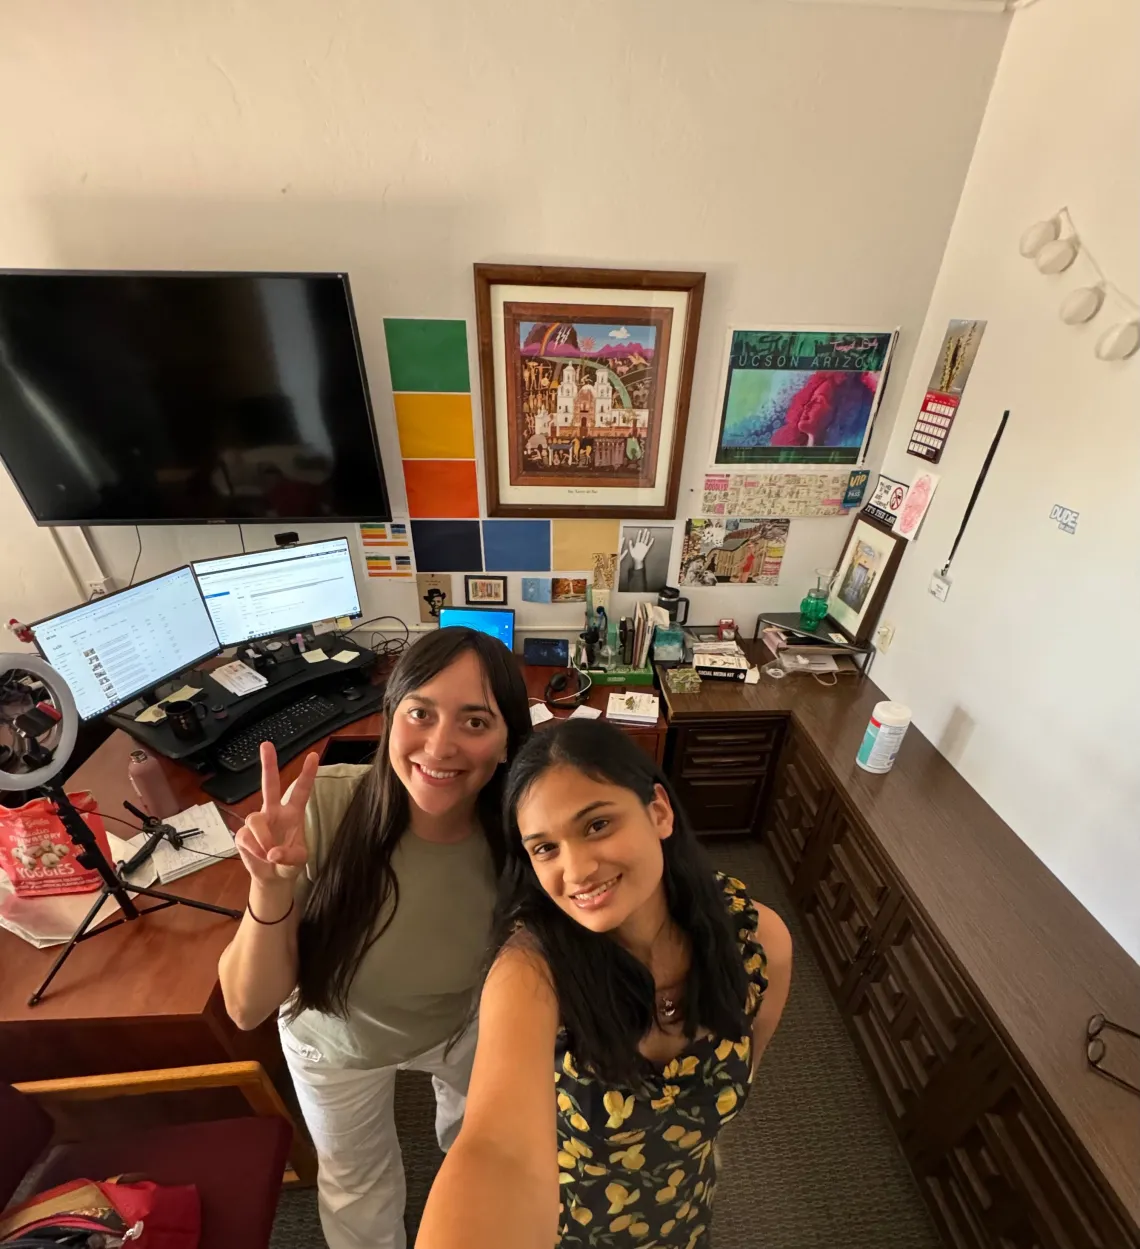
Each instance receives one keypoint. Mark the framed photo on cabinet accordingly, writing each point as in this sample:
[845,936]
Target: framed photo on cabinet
[863,578]
[585,381]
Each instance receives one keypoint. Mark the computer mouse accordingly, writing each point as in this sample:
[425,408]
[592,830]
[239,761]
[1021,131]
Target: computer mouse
[352,694]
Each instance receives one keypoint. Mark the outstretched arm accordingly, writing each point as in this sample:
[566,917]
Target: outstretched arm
[498,1185]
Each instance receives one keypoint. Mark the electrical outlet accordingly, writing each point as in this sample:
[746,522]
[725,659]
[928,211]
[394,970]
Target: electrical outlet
[100,587]
[884,636]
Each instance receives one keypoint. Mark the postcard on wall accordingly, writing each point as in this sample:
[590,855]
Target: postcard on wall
[536,590]
[434,591]
[586,378]
[776,493]
[643,566]
[733,552]
[800,395]
[568,589]
[917,501]
[886,500]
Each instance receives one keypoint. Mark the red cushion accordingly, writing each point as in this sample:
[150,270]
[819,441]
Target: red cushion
[237,1165]
[26,1130]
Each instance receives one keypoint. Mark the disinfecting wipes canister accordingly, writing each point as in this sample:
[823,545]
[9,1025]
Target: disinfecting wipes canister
[881,741]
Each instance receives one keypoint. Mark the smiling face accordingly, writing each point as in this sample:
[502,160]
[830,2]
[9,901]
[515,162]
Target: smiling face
[595,847]
[447,738]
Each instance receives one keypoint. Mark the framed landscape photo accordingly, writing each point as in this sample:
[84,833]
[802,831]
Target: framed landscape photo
[483,591]
[863,578]
[585,380]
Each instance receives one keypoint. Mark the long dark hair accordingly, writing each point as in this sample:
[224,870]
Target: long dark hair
[606,996]
[356,882]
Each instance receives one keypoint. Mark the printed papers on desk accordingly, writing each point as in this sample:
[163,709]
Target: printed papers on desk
[239,678]
[214,842]
[630,708]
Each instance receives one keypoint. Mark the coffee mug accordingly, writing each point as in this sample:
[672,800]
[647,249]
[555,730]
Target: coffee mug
[185,718]
[670,598]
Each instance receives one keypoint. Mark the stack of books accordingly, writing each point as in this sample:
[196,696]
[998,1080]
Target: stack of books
[630,708]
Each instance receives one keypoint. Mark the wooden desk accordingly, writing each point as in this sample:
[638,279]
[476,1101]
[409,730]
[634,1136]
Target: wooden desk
[146,994]
[966,971]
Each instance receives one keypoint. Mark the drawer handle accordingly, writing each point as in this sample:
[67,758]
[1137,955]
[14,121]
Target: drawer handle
[721,738]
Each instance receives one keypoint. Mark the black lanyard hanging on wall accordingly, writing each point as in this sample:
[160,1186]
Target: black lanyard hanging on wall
[977,490]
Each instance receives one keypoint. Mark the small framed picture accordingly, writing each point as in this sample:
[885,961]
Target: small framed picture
[485,591]
[863,580]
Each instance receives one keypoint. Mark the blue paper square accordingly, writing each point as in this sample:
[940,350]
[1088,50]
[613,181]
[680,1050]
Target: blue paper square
[536,589]
[516,545]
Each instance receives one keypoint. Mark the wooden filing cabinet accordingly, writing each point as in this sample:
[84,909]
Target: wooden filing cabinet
[990,1156]
[721,770]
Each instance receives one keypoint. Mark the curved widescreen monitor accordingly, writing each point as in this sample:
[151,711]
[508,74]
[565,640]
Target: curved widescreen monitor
[120,646]
[175,398]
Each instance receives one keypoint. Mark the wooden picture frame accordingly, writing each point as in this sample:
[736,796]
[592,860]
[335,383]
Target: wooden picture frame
[575,424]
[482,589]
[863,578]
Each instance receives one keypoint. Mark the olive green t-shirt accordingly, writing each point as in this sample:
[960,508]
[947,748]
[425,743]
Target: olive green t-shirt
[413,989]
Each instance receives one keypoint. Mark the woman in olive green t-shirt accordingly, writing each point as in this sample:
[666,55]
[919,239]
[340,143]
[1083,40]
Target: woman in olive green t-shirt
[369,912]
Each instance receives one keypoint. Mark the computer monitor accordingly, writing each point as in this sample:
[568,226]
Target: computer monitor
[265,592]
[117,647]
[499,622]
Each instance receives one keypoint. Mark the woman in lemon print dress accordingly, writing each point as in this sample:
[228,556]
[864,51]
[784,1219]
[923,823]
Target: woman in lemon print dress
[650,983]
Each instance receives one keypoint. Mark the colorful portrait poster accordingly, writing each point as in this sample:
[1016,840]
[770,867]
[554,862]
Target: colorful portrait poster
[733,552]
[800,396]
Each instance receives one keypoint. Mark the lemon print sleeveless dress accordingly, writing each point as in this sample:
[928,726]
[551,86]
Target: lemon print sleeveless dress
[636,1170]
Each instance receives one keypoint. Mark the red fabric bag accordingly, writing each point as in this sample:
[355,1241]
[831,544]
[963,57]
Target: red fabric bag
[138,1214]
[38,855]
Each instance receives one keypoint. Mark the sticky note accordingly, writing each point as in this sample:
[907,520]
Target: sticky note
[314,656]
[441,488]
[344,657]
[540,712]
[585,713]
[577,541]
[427,354]
[435,427]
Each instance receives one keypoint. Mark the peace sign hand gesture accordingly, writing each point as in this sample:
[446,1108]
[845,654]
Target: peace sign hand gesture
[271,842]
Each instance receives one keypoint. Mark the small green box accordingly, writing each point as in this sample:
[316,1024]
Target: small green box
[622,676]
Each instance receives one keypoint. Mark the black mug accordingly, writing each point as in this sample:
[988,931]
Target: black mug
[670,598]
[185,719]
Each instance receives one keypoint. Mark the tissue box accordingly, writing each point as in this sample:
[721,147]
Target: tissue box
[720,667]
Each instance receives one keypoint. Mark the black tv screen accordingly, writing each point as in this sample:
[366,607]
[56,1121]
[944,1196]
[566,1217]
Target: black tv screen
[171,398]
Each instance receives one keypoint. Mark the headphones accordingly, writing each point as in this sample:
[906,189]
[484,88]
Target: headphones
[556,693]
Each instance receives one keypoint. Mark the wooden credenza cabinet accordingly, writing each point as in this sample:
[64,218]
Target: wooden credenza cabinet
[964,969]
[991,1159]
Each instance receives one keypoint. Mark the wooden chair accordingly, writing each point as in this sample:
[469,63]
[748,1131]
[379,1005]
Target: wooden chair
[238,1165]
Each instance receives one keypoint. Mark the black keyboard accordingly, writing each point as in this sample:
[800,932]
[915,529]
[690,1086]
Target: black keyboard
[282,728]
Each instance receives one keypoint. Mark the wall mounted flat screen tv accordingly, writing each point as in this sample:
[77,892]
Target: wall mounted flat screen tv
[181,398]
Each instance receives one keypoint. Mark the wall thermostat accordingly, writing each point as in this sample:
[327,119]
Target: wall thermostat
[552,652]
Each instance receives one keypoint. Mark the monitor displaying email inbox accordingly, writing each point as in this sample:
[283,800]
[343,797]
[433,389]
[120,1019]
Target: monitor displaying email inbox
[118,647]
[265,592]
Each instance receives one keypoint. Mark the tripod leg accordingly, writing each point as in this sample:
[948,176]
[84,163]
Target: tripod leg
[76,937]
[174,899]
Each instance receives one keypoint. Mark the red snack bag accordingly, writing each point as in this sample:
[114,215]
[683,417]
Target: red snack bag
[38,855]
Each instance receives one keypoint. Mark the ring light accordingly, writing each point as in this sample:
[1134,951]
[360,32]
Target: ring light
[56,686]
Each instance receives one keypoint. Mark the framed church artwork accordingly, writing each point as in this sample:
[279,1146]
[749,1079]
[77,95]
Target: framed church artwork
[585,382]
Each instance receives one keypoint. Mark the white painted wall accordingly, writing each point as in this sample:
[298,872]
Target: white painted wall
[1026,675]
[807,157]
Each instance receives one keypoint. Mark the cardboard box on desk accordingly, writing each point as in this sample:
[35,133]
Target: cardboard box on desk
[720,667]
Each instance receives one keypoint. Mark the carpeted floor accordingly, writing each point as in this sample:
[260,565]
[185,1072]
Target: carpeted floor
[811,1164]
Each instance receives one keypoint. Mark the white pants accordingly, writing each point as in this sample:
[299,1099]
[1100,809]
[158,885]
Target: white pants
[360,1178]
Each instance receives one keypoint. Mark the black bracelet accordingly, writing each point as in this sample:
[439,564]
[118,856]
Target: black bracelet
[268,923]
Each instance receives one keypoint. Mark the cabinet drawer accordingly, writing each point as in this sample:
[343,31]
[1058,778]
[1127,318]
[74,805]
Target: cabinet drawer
[847,899]
[758,735]
[720,804]
[915,1017]
[703,763]
[799,793]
